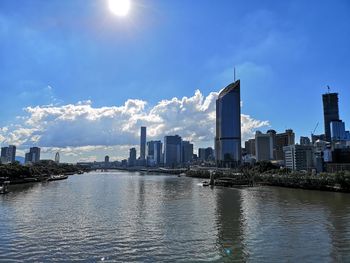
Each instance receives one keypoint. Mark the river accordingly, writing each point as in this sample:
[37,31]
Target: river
[130,217]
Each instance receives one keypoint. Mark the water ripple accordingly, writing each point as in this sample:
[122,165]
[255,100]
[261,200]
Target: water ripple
[121,217]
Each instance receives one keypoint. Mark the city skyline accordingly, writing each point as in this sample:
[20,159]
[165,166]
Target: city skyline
[276,56]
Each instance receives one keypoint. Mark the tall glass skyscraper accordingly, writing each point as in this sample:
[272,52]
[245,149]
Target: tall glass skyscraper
[330,111]
[143,144]
[228,126]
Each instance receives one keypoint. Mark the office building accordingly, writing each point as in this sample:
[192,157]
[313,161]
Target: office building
[228,126]
[298,157]
[281,140]
[206,154]
[8,154]
[150,149]
[172,151]
[187,152]
[305,141]
[132,157]
[263,146]
[158,152]
[337,129]
[341,155]
[33,156]
[143,143]
[201,154]
[12,153]
[250,147]
[4,154]
[330,112]
[154,153]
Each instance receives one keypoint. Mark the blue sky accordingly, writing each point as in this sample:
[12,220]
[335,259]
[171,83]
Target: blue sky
[64,52]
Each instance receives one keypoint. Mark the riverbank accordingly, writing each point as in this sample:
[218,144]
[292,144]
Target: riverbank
[39,172]
[337,182]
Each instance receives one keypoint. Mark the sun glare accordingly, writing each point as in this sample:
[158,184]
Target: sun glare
[119,7]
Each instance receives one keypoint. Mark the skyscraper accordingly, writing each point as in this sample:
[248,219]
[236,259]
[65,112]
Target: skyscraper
[8,154]
[264,146]
[143,144]
[228,126]
[330,112]
[4,154]
[186,152]
[281,140]
[172,150]
[132,157]
[205,154]
[12,154]
[337,129]
[250,146]
[33,156]
[154,152]
[157,151]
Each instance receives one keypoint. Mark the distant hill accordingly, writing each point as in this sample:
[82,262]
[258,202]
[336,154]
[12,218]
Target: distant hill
[20,159]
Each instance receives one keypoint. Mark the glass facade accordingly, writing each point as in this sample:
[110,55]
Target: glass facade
[228,126]
[143,143]
[330,111]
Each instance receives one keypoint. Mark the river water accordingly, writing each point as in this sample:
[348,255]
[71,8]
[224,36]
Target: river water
[130,217]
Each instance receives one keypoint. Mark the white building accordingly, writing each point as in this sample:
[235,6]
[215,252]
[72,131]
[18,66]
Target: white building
[298,157]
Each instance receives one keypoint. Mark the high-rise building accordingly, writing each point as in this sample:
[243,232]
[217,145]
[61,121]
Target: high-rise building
[209,154]
[228,126]
[305,140]
[150,149]
[186,152]
[132,157]
[143,143]
[12,154]
[157,152]
[250,147]
[201,154]
[33,156]
[298,157]
[337,129]
[4,154]
[28,158]
[8,154]
[154,152]
[172,150]
[263,146]
[206,154]
[330,112]
[281,140]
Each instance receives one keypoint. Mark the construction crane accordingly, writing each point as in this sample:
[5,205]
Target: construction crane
[313,132]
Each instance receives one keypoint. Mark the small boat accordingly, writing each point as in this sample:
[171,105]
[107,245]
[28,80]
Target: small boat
[4,187]
[57,177]
[205,183]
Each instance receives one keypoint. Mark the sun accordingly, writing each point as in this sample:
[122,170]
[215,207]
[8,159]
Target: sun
[119,7]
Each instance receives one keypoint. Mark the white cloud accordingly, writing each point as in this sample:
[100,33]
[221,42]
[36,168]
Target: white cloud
[81,128]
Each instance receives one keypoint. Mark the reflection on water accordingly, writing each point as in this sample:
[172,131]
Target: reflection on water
[140,218]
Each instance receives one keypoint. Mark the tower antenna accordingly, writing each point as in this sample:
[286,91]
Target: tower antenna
[328,88]
[234,74]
